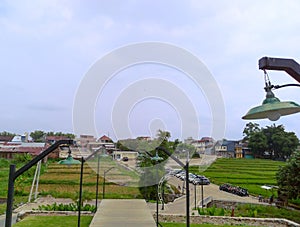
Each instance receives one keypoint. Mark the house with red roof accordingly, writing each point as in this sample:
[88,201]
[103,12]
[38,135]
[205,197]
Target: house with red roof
[104,139]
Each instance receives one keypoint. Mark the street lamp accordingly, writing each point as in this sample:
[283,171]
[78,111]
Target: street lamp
[83,160]
[156,158]
[195,188]
[272,108]
[104,173]
[187,187]
[13,175]
[69,160]
[202,193]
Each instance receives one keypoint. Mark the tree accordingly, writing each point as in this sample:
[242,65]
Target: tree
[38,136]
[50,134]
[271,142]
[4,133]
[151,168]
[163,135]
[288,177]
[280,144]
[69,135]
[250,129]
[257,142]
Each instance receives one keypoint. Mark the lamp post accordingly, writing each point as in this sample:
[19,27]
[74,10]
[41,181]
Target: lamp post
[195,188]
[83,160]
[202,195]
[104,173]
[186,168]
[272,108]
[163,197]
[97,184]
[80,191]
[13,175]
[156,158]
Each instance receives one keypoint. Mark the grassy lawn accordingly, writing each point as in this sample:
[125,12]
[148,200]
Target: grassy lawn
[53,221]
[61,221]
[247,173]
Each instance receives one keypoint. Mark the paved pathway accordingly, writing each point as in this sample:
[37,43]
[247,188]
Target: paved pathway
[2,219]
[179,205]
[123,212]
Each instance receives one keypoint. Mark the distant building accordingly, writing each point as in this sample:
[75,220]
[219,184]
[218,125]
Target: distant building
[53,139]
[120,155]
[20,138]
[88,143]
[104,139]
[84,140]
[9,149]
[203,145]
[4,139]
[225,148]
[147,138]
[189,140]
[231,149]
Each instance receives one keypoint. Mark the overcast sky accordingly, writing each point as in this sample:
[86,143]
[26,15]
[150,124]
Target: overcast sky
[48,46]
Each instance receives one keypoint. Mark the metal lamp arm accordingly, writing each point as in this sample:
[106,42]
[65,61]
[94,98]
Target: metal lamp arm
[41,156]
[93,153]
[290,66]
[286,85]
[171,156]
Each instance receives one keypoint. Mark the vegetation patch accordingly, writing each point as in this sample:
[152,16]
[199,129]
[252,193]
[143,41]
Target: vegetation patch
[247,173]
[53,221]
[66,207]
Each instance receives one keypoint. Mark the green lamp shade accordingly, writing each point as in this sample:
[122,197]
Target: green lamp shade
[272,109]
[69,161]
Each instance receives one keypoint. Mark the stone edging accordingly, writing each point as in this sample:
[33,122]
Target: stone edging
[270,222]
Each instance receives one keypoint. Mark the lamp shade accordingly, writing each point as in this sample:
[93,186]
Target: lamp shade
[272,108]
[69,161]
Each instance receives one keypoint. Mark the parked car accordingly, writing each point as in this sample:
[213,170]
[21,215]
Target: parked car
[199,180]
[125,159]
[180,173]
[192,177]
[234,189]
[173,172]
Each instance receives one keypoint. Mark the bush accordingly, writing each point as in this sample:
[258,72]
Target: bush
[295,201]
[66,207]
[22,158]
[196,155]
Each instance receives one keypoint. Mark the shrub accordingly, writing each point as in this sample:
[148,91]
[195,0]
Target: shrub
[66,207]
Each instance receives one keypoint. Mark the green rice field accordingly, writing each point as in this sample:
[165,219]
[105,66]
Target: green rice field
[247,173]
